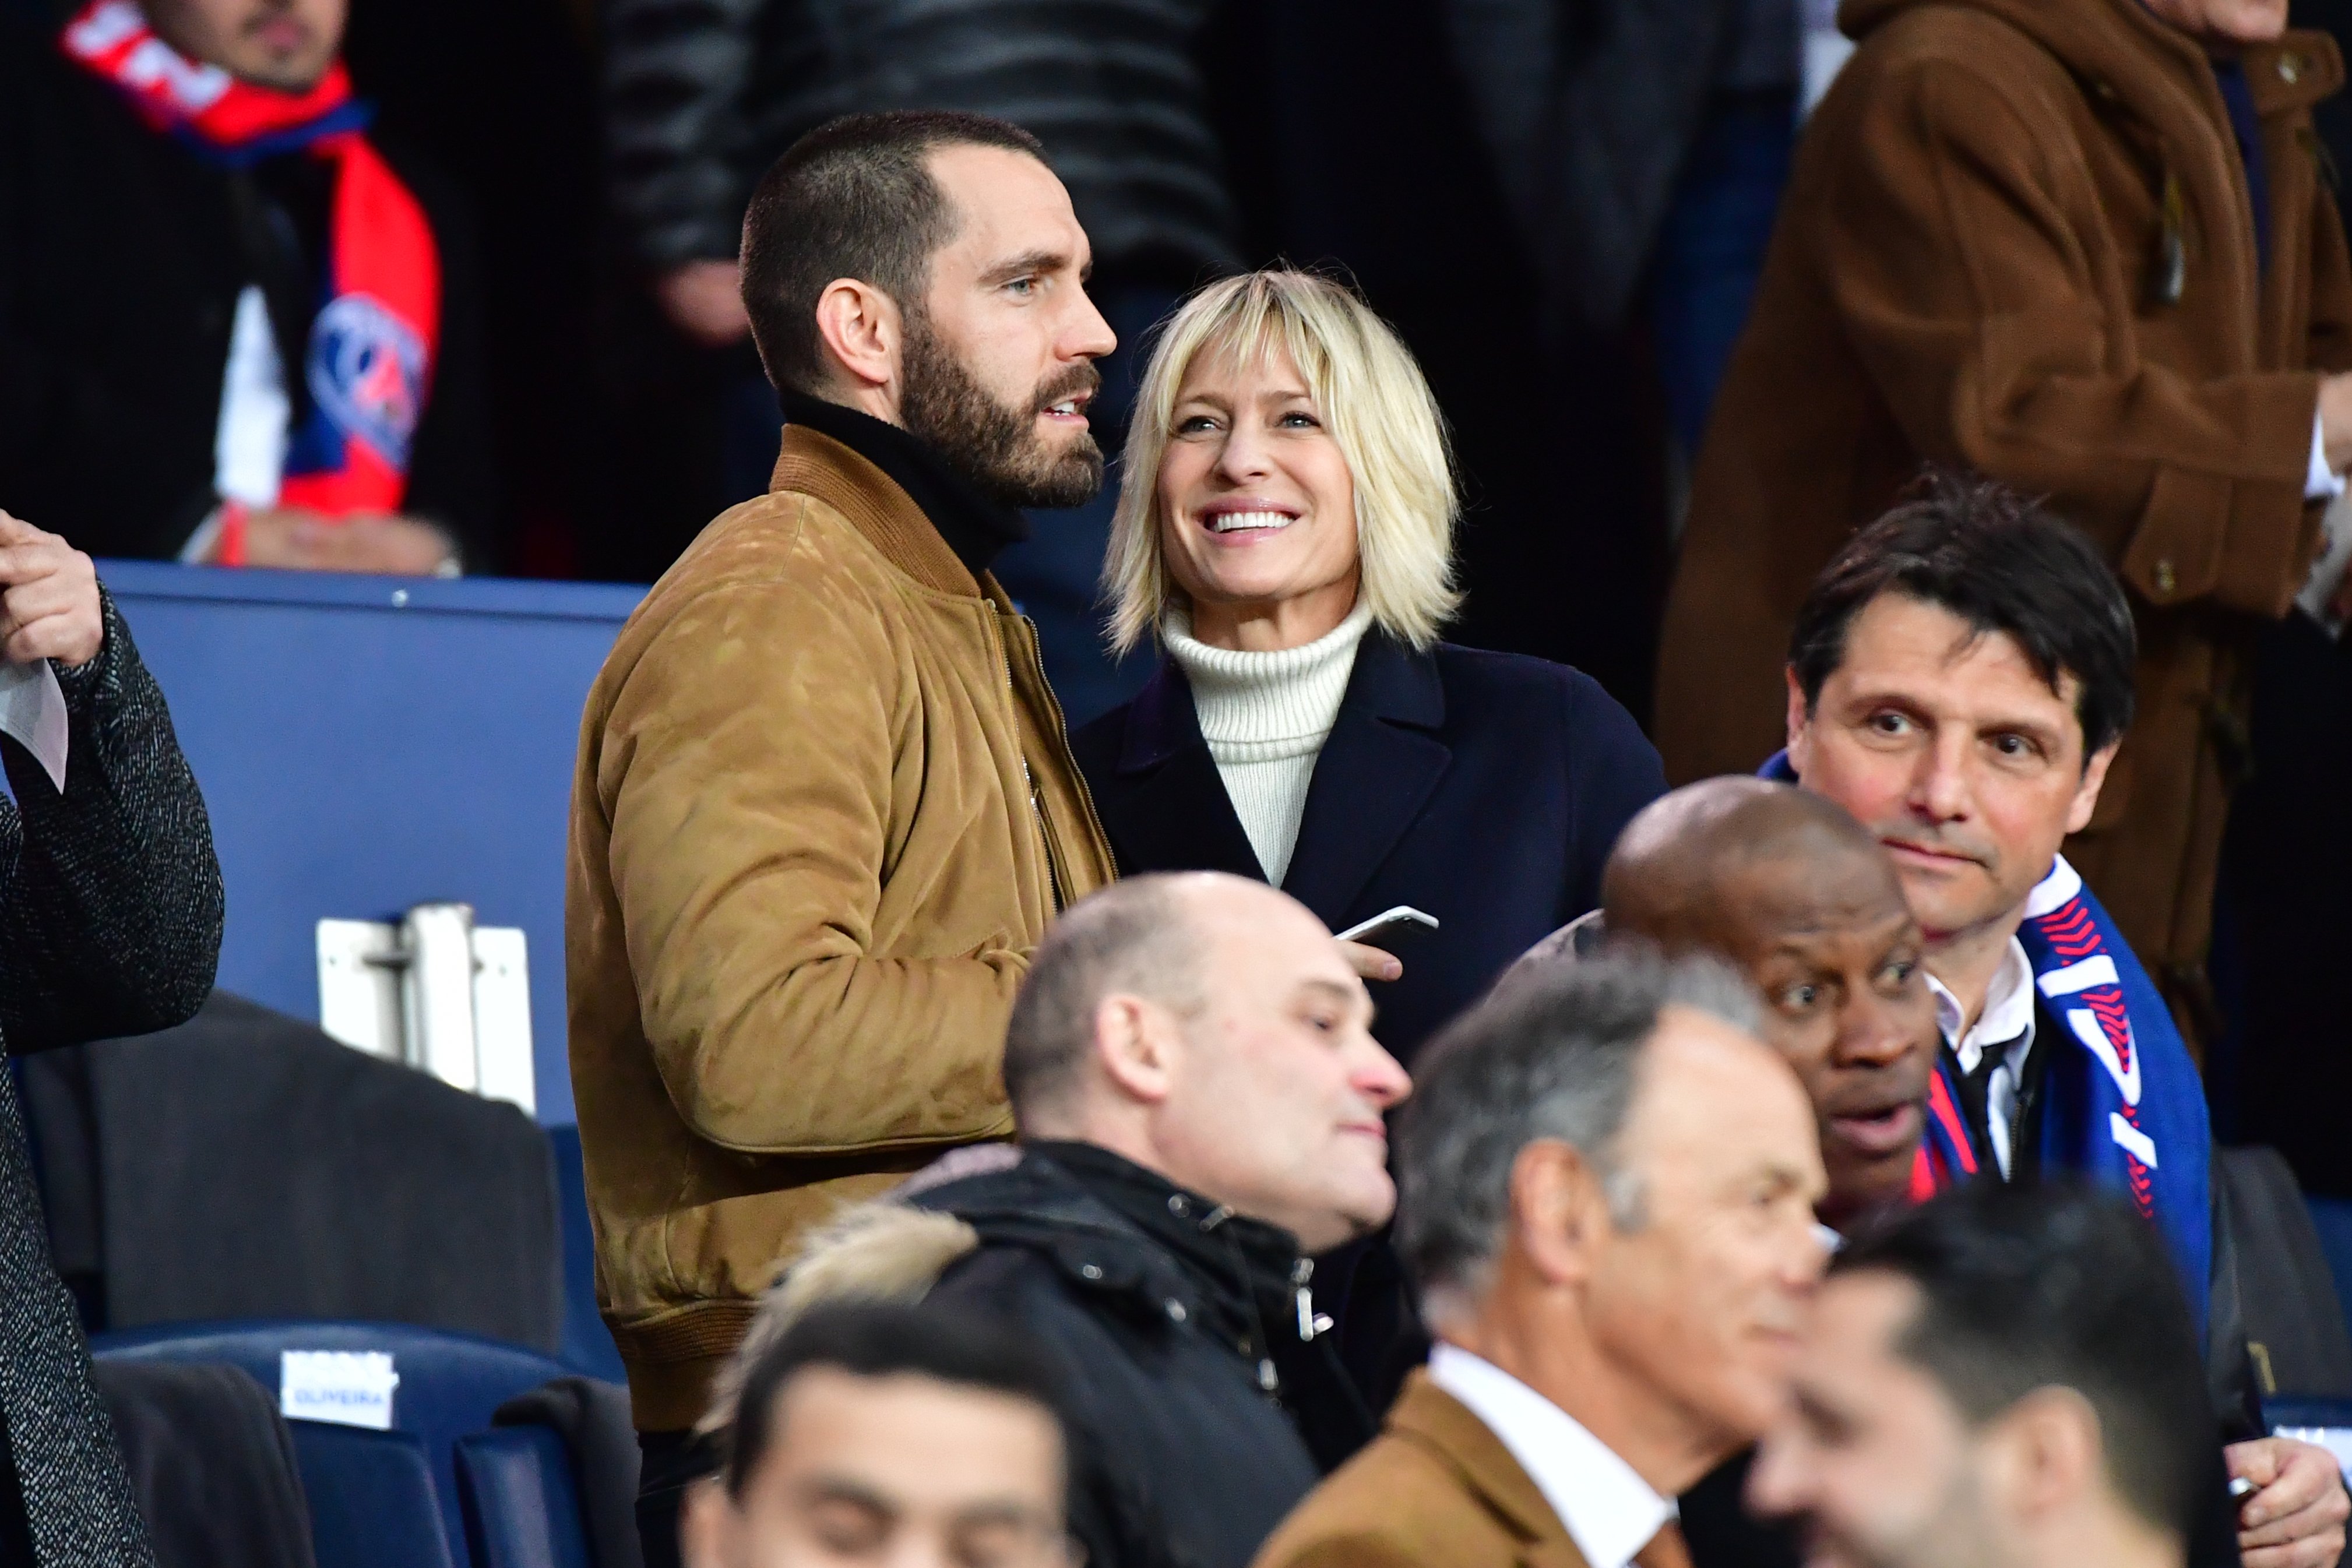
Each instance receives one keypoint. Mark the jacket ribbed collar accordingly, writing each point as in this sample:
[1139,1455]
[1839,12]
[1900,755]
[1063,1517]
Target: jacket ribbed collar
[815,465]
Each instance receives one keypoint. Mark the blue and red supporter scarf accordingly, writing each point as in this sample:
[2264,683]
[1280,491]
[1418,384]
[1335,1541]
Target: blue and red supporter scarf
[371,354]
[2126,1109]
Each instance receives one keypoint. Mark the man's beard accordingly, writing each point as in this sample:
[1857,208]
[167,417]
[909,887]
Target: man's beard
[996,446]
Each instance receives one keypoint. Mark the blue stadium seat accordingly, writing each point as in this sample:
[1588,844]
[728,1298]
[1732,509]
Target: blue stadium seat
[521,1507]
[450,1385]
[371,1496]
[419,778]
[587,1343]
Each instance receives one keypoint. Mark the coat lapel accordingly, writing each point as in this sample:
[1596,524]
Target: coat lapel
[1427,1415]
[1167,807]
[1374,775]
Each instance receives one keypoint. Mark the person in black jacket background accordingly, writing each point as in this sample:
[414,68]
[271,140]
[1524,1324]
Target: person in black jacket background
[701,96]
[1198,1100]
[110,925]
[233,327]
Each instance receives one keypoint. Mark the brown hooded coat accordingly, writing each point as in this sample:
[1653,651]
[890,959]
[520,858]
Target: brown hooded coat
[1977,264]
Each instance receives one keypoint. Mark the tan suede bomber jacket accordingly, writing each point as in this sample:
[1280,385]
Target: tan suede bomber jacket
[823,810]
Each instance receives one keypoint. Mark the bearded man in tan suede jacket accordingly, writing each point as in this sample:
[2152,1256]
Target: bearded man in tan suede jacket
[2086,247]
[824,808]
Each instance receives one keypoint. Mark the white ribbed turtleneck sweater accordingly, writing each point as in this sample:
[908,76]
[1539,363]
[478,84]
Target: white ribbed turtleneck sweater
[1265,717]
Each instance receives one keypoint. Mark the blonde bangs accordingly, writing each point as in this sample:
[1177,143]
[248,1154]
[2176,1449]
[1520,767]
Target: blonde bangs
[1378,408]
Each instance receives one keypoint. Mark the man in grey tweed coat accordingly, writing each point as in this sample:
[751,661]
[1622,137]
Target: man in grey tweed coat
[110,925]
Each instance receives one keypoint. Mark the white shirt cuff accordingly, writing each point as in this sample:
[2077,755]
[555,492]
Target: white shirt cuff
[2320,482]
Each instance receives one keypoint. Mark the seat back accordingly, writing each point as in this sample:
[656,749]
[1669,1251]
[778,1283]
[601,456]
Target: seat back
[522,1506]
[450,1385]
[2286,1296]
[245,1167]
[414,740]
[212,1463]
[373,1503]
[587,1343]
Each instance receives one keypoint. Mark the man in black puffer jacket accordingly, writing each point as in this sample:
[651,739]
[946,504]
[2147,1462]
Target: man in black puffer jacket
[1201,1104]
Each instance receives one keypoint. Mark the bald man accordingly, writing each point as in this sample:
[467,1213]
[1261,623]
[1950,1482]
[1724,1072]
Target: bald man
[1793,891]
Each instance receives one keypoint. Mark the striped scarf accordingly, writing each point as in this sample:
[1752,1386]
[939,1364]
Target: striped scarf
[371,346]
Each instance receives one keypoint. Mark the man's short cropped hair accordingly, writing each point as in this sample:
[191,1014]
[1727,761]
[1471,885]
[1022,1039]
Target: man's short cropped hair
[1134,937]
[1554,1055]
[2001,562]
[2057,1284]
[881,1339]
[854,198]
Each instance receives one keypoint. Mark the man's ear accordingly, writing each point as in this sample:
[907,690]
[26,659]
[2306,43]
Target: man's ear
[1799,724]
[707,1528]
[1559,1211]
[2086,793]
[864,335]
[2042,1455]
[1136,1044]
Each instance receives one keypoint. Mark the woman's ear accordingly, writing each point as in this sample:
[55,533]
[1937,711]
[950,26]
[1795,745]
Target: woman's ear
[864,337]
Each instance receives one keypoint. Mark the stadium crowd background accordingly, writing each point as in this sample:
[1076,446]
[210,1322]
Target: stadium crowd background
[1572,283]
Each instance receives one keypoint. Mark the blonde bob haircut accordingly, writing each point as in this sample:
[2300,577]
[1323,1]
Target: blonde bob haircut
[1373,399]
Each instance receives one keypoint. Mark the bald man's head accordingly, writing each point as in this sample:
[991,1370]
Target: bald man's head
[1667,879]
[1800,897]
[1211,1029]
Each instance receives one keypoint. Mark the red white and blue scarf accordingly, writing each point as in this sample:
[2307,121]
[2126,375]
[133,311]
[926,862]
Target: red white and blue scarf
[371,353]
[2126,1109]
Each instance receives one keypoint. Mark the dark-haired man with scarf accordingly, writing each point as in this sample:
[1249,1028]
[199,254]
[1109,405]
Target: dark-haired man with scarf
[2091,249]
[234,329]
[1960,679]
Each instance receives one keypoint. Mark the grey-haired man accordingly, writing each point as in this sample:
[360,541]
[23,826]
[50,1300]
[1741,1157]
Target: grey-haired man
[1608,1184]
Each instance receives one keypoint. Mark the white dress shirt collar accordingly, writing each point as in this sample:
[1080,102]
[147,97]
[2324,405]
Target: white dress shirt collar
[2006,1022]
[2007,1018]
[1608,1511]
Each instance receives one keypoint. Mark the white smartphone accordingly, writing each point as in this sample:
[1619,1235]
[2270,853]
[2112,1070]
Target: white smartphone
[1391,927]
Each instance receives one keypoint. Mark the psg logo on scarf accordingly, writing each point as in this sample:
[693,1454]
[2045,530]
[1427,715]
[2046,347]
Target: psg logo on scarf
[367,372]
[370,359]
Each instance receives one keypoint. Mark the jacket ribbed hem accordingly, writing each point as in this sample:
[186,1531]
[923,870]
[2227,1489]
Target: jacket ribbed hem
[671,1361]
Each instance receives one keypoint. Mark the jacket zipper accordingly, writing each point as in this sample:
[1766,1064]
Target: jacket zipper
[1028,778]
[1062,729]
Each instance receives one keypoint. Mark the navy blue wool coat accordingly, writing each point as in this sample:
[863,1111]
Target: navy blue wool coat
[1486,789]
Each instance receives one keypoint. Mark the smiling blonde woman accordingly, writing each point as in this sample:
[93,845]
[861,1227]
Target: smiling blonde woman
[1285,531]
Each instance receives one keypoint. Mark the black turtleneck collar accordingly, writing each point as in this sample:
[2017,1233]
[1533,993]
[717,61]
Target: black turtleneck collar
[973,526]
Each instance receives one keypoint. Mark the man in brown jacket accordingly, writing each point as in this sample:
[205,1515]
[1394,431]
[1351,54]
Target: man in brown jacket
[824,808]
[2022,237]
[1607,1188]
